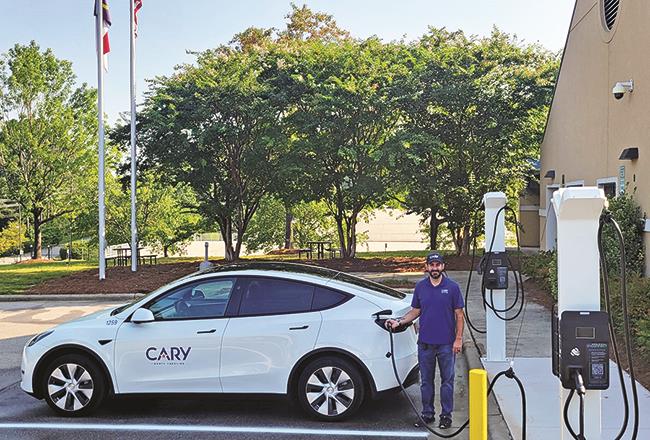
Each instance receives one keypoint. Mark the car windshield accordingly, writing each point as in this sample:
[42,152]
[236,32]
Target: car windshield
[371,285]
[120,309]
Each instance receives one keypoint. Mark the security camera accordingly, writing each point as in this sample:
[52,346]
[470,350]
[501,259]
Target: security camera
[621,87]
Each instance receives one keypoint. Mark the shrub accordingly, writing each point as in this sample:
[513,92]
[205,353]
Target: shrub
[542,268]
[638,303]
[627,213]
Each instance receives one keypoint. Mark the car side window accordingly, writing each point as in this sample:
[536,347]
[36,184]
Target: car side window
[325,298]
[203,299]
[267,296]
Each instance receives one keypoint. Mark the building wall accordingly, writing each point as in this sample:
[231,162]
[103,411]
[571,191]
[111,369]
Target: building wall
[587,128]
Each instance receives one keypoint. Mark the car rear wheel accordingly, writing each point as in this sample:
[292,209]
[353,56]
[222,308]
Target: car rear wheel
[74,385]
[330,389]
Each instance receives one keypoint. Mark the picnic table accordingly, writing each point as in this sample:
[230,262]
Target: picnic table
[123,257]
[321,247]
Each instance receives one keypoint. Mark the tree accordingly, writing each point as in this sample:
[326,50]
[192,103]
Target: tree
[343,113]
[12,238]
[475,122]
[216,127]
[47,135]
[166,214]
[306,25]
[310,222]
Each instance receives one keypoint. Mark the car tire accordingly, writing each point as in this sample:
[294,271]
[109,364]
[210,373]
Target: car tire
[73,385]
[330,389]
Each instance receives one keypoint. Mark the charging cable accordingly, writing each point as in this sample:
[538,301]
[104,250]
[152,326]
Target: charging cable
[509,373]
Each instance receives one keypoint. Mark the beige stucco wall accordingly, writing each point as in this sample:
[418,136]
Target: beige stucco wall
[587,128]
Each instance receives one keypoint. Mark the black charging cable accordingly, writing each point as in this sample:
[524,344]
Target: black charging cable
[606,218]
[580,389]
[519,281]
[509,373]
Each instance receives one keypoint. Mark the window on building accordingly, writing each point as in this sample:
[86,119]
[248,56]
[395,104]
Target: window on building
[609,188]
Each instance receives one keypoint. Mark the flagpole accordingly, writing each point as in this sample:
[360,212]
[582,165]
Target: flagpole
[100,120]
[134,226]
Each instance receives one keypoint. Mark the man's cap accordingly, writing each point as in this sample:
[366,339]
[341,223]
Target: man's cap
[435,256]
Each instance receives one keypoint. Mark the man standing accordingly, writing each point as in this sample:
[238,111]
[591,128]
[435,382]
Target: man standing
[438,302]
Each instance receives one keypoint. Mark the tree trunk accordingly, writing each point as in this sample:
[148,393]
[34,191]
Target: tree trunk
[288,230]
[165,251]
[37,252]
[434,226]
[352,237]
[225,225]
[341,233]
[466,240]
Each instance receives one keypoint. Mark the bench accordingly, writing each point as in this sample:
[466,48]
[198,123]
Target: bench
[153,259]
[334,251]
[306,251]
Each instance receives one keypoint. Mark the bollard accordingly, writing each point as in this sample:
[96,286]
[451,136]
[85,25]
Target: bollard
[205,264]
[478,404]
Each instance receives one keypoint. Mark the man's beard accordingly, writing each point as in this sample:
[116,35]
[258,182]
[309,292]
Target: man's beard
[435,274]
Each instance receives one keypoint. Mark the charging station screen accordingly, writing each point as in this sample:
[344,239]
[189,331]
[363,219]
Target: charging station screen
[585,332]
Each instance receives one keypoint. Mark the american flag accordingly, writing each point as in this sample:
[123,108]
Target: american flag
[106,23]
[137,4]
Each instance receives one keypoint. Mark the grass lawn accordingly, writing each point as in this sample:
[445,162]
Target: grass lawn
[16,278]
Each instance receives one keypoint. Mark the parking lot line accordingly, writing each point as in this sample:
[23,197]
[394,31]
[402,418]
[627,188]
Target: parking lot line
[212,428]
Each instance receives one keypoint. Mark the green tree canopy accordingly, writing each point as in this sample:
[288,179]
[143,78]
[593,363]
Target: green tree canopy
[476,119]
[216,126]
[47,135]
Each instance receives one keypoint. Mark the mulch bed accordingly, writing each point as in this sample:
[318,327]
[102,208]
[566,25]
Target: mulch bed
[148,278]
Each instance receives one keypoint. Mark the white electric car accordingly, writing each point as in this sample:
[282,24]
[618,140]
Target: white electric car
[260,328]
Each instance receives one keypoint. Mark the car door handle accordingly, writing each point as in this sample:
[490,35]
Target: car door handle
[299,328]
[201,332]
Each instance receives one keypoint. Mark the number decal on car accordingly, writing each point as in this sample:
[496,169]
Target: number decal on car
[111,322]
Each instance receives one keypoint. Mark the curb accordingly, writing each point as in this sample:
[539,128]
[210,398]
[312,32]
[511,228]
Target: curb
[73,297]
[474,362]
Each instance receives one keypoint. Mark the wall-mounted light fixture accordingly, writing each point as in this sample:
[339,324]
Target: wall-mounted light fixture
[631,153]
[550,174]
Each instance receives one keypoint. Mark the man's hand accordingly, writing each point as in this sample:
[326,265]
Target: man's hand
[458,346]
[392,323]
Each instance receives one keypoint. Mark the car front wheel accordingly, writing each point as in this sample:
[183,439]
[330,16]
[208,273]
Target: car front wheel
[330,389]
[74,385]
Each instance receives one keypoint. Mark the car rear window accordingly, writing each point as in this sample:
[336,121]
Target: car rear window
[371,285]
[326,298]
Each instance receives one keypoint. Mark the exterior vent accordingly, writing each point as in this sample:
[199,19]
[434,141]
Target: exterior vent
[610,10]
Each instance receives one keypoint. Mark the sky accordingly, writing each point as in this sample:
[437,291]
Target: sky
[170,28]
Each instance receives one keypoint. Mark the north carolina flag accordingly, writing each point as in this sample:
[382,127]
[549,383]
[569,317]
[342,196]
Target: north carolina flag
[137,4]
[106,23]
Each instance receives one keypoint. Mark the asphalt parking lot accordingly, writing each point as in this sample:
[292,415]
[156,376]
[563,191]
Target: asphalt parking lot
[221,417]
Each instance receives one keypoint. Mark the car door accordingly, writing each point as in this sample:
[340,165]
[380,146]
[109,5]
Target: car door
[274,328]
[179,351]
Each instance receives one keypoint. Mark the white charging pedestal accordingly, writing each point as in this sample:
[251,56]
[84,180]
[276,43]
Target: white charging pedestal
[578,277]
[495,327]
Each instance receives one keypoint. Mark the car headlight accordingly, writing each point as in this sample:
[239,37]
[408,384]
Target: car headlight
[39,336]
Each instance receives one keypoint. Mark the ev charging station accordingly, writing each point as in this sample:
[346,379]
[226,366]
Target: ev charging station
[494,203]
[578,211]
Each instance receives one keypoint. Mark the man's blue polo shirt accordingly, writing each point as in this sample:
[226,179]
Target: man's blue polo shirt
[437,310]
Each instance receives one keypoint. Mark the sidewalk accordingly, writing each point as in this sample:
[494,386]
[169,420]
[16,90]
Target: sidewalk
[528,344]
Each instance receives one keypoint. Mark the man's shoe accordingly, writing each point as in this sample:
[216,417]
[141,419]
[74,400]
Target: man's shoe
[445,422]
[427,420]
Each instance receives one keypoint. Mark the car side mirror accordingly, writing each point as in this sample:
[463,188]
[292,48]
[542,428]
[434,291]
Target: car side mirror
[141,316]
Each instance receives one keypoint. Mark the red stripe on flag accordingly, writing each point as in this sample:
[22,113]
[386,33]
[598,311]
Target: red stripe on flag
[137,4]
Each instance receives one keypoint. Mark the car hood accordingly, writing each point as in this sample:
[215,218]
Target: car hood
[92,320]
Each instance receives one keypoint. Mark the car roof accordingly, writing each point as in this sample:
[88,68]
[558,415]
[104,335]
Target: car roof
[322,273]
[275,266]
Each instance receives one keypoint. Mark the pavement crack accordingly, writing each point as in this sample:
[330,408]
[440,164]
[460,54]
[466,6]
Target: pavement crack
[6,387]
